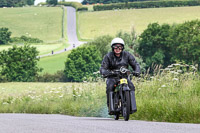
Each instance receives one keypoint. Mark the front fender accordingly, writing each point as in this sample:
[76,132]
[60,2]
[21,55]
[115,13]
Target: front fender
[126,88]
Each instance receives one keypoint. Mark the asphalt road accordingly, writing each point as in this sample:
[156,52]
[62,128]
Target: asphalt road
[43,123]
[71,32]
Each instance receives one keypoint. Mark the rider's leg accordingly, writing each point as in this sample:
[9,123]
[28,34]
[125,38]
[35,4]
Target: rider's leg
[109,87]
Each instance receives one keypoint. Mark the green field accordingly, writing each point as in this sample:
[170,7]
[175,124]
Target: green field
[44,23]
[94,24]
[42,48]
[52,64]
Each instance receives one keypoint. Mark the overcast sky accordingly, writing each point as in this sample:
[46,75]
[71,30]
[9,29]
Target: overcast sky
[38,1]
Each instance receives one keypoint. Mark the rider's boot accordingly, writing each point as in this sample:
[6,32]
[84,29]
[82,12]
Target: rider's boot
[133,102]
[107,94]
[111,104]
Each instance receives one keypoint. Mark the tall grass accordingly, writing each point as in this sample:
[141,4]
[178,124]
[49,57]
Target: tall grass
[169,97]
[80,99]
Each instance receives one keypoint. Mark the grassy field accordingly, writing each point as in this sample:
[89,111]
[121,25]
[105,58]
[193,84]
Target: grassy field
[42,48]
[93,24]
[44,23]
[52,64]
[167,97]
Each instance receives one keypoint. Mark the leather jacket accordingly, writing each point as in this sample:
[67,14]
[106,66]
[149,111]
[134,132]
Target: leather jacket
[112,62]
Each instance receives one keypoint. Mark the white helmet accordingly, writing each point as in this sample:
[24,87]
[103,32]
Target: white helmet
[117,41]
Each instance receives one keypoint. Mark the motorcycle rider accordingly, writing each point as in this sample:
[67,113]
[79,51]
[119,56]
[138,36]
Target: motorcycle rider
[114,60]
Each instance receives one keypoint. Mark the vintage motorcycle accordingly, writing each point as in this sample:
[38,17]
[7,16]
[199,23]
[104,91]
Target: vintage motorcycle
[122,99]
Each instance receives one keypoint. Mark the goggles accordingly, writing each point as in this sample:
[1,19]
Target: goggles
[118,47]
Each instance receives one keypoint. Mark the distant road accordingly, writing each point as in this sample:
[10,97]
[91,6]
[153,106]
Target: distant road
[71,32]
[43,123]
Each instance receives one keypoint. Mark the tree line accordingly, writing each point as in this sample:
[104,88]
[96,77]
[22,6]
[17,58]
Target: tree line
[84,2]
[16,3]
[147,4]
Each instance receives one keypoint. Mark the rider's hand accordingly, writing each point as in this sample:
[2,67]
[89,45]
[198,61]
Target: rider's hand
[114,73]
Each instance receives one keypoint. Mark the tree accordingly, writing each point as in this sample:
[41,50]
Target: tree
[19,63]
[52,2]
[16,3]
[3,3]
[4,35]
[102,44]
[82,63]
[185,42]
[153,45]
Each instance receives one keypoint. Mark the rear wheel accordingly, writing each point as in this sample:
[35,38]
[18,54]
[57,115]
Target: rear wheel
[126,105]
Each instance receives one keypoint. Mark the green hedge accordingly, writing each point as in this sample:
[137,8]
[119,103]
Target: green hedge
[76,5]
[146,4]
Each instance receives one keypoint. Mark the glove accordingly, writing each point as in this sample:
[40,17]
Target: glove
[114,73]
[136,74]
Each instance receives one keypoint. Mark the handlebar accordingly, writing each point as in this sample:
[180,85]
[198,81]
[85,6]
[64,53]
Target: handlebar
[124,70]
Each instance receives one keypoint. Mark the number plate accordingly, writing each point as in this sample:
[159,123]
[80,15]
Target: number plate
[123,81]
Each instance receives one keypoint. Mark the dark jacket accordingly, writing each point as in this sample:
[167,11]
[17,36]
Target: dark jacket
[112,62]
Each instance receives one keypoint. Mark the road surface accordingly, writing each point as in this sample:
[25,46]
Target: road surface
[43,123]
[71,32]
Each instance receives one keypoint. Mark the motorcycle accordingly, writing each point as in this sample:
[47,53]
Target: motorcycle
[122,99]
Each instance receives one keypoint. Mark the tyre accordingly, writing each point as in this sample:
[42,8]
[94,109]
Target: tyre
[126,105]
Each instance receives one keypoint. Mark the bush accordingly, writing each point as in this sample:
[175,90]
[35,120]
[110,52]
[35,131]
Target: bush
[146,4]
[24,39]
[76,5]
[82,63]
[59,76]
[82,9]
[4,35]
[52,2]
[19,63]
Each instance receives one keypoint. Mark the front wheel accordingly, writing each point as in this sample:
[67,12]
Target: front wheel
[126,105]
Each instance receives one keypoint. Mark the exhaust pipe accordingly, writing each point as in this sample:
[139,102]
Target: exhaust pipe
[133,102]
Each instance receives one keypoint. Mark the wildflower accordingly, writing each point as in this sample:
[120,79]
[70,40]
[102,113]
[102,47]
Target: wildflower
[170,66]
[163,86]
[176,64]
[57,92]
[179,71]
[167,69]
[175,79]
